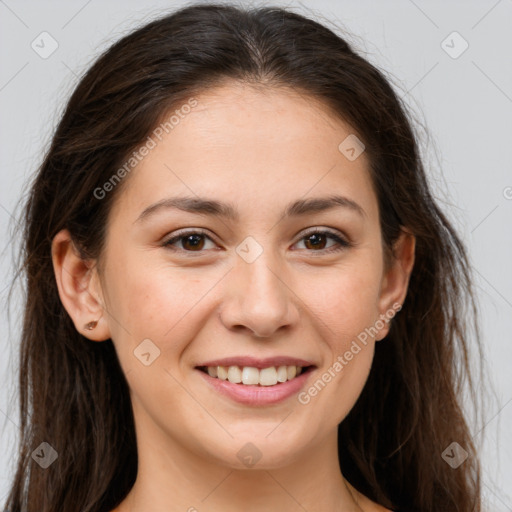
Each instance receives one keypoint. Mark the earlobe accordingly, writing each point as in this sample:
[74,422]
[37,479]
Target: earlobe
[395,281]
[79,288]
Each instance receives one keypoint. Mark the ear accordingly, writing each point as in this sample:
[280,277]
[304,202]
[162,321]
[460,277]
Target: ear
[79,287]
[395,280]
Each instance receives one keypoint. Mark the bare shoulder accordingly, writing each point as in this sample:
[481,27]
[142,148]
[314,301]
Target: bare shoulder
[366,504]
[371,506]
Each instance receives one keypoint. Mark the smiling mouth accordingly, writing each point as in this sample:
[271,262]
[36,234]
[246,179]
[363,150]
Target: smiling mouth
[251,376]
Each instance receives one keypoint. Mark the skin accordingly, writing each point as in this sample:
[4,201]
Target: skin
[260,150]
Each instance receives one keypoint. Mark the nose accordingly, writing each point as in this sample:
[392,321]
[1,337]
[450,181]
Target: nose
[258,300]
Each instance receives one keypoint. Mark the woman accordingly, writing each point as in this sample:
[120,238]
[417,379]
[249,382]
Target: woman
[241,294]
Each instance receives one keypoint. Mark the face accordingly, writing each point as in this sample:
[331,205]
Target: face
[268,274]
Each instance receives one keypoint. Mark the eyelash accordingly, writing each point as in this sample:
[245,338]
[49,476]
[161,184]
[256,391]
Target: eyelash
[342,243]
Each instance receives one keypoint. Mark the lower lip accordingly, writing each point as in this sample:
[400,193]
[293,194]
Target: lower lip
[257,395]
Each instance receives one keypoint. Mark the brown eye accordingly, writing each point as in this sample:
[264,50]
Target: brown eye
[193,241]
[316,241]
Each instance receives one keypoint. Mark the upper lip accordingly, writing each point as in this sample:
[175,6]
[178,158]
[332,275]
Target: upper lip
[258,363]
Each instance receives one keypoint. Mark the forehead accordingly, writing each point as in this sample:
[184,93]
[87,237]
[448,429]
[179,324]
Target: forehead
[253,145]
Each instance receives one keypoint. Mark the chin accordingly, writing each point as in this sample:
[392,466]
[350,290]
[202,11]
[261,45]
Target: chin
[262,451]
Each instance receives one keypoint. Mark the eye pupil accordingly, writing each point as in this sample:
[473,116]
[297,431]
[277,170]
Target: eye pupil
[196,241]
[315,238]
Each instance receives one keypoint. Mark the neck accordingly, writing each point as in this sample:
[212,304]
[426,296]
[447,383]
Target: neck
[173,477]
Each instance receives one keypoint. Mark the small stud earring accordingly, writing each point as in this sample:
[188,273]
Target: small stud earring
[91,325]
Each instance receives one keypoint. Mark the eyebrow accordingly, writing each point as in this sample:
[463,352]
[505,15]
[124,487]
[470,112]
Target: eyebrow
[205,206]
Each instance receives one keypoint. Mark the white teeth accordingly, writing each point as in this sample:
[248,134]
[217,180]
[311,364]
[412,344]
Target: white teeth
[234,375]
[282,374]
[222,373]
[251,376]
[268,376]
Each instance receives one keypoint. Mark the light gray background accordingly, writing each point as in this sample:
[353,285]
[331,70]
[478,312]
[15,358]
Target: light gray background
[466,103]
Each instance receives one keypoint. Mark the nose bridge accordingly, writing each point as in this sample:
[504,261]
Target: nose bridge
[259,298]
[261,277]
[257,260]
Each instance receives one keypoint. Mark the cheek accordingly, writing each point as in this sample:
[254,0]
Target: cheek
[345,314]
[345,299]
[159,302]
[344,303]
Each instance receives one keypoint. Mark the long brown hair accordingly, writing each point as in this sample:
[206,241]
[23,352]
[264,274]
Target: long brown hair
[73,394]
